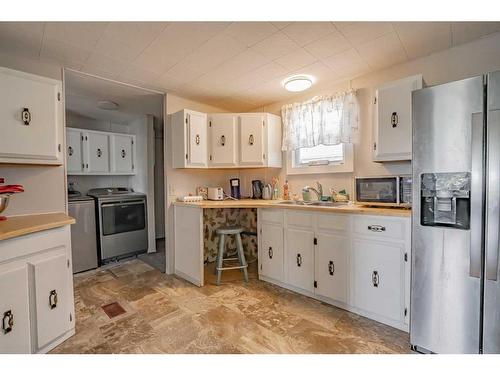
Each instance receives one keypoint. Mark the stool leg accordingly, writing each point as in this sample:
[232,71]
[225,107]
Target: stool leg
[241,255]
[220,256]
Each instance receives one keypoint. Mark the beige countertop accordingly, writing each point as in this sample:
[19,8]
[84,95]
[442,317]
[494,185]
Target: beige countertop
[16,226]
[259,203]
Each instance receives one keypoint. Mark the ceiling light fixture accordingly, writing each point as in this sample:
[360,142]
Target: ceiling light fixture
[298,83]
[108,105]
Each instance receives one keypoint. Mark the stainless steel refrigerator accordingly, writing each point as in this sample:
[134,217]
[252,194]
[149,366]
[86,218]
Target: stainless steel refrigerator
[455,288]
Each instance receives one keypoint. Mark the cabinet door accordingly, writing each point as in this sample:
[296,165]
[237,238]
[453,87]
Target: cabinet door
[223,143]
[299,245]
[378,278]
[97,152]
[271,255]
[14,309]
[197,139]
[31,117]
[74,150]
[331,266]
[393,130]
[252,139]
[52,296]
[123,153]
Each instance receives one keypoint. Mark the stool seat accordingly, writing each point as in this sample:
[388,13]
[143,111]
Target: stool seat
[229,230]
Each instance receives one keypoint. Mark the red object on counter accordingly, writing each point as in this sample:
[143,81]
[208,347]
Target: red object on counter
[9,189]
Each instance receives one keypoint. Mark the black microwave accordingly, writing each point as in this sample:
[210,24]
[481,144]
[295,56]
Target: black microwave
[392,191]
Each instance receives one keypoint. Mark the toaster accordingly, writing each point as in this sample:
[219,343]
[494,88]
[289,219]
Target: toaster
[215,194]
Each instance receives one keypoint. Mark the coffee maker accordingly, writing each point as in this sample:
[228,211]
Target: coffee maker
[235,188]
[257,189]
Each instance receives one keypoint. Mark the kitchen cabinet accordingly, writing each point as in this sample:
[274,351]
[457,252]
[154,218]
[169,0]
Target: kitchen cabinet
[299,245]
[37,288]
[189,139]
[14,309]
[91,152]
[122,153]
[223,145]
[31,113]
[271,251]
[379,278]
[392,130]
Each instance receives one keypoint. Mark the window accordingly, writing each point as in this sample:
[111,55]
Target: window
[319,155]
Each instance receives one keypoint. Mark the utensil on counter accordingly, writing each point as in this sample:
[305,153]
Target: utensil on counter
[4,202]
[5,192]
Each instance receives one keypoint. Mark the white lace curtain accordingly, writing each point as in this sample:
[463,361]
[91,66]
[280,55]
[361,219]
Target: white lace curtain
[324,120]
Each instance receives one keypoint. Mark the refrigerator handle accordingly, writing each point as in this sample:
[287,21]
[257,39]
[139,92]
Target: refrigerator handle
[493,196]
[476,196]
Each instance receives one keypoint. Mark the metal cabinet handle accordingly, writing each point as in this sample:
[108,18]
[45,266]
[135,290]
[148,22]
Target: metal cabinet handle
[70,151]
[270,252]
[197,139]
[299,260]
[7,322]
[99,152]
[53,299]
[26,116]
[250,140]
[331,268]
[375,279]
[123,153]
[394,119]
[223,140]
[376,228]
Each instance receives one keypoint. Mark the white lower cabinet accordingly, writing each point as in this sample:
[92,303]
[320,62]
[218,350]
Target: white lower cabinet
[379,278]
[331,266]
[336,258]
[14,309]
[36,302]
[271,254]
[299,245]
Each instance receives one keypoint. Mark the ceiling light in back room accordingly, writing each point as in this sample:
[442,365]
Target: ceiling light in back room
[108,105]
[298,83]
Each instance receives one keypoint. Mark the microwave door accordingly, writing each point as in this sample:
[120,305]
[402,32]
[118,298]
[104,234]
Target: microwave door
[377,190]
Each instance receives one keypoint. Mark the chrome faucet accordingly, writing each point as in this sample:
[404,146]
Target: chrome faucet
[318,190]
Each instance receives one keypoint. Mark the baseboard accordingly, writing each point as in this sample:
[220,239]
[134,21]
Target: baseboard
[47,348]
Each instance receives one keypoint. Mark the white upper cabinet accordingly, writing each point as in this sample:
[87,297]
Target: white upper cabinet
[189,139]
[74,150]
[252,139]
[223,133]
[122,153]
[31,119]
[97,148]
[392,131]
[234,140]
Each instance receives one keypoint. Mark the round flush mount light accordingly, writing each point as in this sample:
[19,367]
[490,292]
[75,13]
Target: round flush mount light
[108,105]
[298,83]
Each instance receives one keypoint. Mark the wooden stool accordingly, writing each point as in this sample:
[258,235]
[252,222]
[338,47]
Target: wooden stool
[222,233]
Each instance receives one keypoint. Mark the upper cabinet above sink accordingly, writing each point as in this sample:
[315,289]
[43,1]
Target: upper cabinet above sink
[226,140]
[392,130]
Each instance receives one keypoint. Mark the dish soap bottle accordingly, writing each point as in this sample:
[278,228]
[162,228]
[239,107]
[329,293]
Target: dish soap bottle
[286,191]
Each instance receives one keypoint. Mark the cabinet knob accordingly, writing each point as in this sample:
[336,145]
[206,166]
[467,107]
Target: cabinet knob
[376,228]
[223,140]
[270,252]
[299,260]
[375,279]
[7,322]
[394,119]
[123,153]
[99,152]
[70,150]
[331,268]
[197,139]
[53,299]
[250,140]
[26,116]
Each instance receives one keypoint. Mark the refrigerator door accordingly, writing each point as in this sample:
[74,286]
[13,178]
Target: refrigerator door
[491,323]
[446,258]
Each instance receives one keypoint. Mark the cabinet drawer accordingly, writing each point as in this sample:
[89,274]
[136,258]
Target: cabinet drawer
[380,227]
[301,219]
[14,309]
[272,215]
[329,222]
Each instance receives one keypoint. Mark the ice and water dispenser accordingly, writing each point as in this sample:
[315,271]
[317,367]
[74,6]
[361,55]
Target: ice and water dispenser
[445,199]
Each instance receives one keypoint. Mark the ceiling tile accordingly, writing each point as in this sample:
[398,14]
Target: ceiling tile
[361,32]
[258,76]
[281,25]
[275,46]
[105,66]
[67,54]
[347,63]
[183,71]
[83,34]
[319,71]
[306,32]
[383,52]
[137,75]
[423,38]
[296,60]
[21,38]
[328,45]
[463,32]
[250,33]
